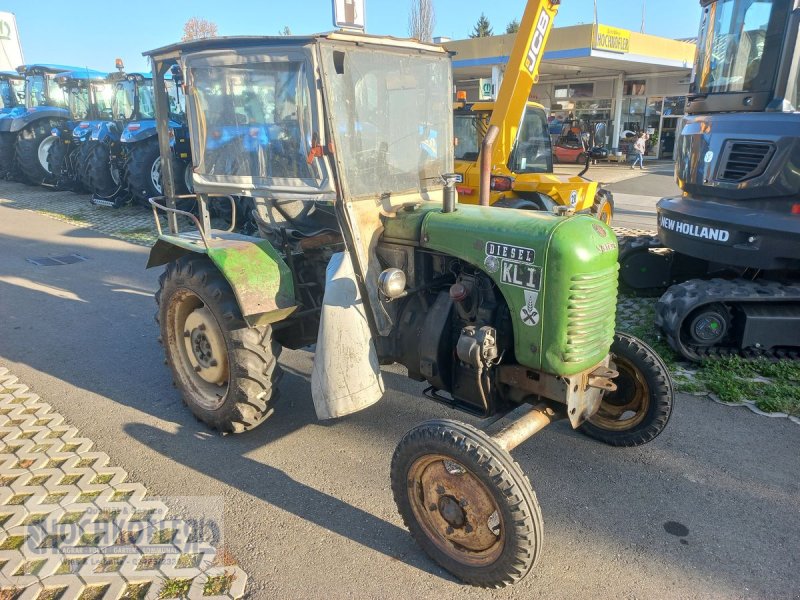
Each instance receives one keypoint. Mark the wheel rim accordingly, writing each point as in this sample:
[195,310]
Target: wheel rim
[708,328]
[605,213]
[456,510]
[199,349]
[115,175]
[626,407]
[155,174]
[44,150]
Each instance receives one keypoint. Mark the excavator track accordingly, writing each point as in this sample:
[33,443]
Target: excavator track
[724,298]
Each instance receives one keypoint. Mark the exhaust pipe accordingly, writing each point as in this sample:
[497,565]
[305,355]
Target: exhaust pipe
[486,163]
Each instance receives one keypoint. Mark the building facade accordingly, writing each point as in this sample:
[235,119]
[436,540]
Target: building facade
[630,81]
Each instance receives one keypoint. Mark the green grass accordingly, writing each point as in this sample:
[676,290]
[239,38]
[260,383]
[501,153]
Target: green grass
[175,588]
[219,585]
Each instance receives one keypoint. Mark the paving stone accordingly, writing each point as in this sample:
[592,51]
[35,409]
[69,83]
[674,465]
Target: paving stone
[71,519]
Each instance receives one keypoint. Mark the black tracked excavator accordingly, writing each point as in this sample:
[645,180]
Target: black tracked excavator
[726,260]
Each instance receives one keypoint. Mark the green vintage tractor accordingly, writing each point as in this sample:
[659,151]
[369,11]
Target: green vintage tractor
[344,143]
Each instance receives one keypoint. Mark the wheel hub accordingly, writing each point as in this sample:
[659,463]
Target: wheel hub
[451,512]
[708,328]
[205,346]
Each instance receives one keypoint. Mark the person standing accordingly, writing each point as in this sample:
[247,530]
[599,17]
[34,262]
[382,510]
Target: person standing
[640,147]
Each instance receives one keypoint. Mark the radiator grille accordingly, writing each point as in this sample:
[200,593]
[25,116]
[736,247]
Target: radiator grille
[744,160]
[591,312]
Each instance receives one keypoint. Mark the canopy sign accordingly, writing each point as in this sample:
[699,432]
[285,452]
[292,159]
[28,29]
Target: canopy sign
[611,39]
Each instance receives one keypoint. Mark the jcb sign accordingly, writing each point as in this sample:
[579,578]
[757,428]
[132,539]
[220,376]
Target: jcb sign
[349,14]
[539,34]
[612,39]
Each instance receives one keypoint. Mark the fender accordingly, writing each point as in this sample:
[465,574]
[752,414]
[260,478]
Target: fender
[39,112]
[8,115]
[102,131]
[260,279]
[136,131]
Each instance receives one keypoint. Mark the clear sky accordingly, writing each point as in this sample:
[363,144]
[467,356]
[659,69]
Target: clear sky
[91,33]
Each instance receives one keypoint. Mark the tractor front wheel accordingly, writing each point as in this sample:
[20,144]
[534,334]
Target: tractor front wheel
[467,503]
[33,146]
[641,406]
[103,176]
[226,371]
[58,162]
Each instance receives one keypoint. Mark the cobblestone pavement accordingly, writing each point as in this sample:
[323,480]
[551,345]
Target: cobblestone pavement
[131,223]
[73,527]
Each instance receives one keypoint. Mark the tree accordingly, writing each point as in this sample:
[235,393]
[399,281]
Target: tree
[482,28]
[195,29]
[422,20]
[513,27]
[285,31]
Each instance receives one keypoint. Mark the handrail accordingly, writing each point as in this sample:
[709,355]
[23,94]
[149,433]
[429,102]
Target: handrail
[156,206]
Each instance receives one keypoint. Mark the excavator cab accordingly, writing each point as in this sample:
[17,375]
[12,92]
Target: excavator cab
[728,246]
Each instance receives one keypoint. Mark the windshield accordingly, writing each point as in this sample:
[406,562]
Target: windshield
[176,98]
[147,103]
[392,118]
[739,46]
[468,131]
[78,102]
[532,151]
[10,90]
[122,102]
[44,91]
[254,121]
[102,96]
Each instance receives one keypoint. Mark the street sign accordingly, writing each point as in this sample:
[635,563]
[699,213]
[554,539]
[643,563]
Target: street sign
[485,89]
[349,14]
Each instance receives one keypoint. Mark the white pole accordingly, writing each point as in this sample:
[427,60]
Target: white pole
[644,3]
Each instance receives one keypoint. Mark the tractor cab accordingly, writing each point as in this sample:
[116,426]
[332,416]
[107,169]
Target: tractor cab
[135,153]
[88,98]
[532,152]
[343,141]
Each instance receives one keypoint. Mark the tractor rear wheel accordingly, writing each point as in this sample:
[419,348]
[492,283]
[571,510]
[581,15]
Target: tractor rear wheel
[103,177]
[33,145]
[603,207]
[143,171]
[226,371]
[641,406]
[467,503]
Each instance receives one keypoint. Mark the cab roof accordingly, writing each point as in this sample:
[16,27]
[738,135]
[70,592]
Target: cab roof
[83,75]
[46,68]
[10,75]
[243,42]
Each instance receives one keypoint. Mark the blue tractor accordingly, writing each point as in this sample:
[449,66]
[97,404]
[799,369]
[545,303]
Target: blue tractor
[131,96]
[141,159]
[89,96]
[26,131]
